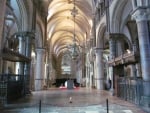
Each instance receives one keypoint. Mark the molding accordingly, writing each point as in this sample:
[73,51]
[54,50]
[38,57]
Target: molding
[25,33]
[141,14]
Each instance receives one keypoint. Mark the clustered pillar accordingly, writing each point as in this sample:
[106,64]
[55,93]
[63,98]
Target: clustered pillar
[25,40]
[112,45]
[29,36]
[21,51]
[141,16]
[99,69]
[2,15]
[39,74]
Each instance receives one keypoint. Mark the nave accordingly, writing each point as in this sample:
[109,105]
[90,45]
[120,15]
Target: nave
[97,44]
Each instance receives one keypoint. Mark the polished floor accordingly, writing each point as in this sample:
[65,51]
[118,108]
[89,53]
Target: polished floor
[71,101]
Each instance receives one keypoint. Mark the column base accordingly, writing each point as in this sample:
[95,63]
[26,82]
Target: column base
[145,101]
[100,84]
[38,84]
[112,91]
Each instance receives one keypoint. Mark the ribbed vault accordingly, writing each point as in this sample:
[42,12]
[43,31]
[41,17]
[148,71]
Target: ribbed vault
[60,27]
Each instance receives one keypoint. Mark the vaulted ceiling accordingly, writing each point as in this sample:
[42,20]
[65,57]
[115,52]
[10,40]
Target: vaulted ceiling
[62,26]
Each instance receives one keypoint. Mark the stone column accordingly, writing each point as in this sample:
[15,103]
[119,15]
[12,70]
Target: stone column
[141,16]
[99,69]
[94,31]
[28,42]
[21,51]
[120,47]
[39,74]
[95,75]
[2,15]
[91,74]
[112,46]
[133,71]
[87,75]
[138,70]
[89,70]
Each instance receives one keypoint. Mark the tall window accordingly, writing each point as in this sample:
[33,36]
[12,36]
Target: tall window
[135,3]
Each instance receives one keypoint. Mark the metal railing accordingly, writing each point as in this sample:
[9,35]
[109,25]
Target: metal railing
[3,92]
[11,77]
[131,89]
[11,87]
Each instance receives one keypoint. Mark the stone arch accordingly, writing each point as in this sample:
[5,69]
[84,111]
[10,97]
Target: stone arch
[40,32]
[119,15]
[21,14]
[39,36]
[100,35]
[17,11]
[115,15]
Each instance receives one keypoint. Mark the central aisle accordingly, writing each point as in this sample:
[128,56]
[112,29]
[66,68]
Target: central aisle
[83,101]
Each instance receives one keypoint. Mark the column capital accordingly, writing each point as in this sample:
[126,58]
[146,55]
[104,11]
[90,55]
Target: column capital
[40,50]
[141,14]
[114,36]
[24,34]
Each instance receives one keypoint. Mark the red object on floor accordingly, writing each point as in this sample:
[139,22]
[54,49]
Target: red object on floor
[63,87]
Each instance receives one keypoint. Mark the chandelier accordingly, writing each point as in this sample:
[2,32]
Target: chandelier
[74,52]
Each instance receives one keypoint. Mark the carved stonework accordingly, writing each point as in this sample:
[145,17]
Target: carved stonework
[40,51]
[141,14]
[125,59]
[25,33]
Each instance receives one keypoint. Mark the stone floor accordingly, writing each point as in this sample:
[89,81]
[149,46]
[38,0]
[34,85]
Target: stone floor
[83,101]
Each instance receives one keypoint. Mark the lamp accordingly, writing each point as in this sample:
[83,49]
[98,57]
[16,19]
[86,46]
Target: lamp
[74,54]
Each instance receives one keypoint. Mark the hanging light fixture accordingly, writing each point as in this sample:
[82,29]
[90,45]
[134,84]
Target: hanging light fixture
[74,12]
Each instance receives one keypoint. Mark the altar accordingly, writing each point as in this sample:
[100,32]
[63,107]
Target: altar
[70,84]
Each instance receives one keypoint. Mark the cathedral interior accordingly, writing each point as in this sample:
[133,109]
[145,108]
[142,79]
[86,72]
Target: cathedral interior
[69,56]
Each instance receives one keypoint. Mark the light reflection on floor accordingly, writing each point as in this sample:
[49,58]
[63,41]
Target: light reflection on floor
[84,109]
[83,101]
